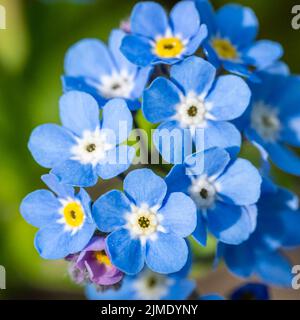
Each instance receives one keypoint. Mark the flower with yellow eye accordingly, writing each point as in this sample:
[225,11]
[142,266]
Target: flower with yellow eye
[231,43]
[64,221]
[154,39]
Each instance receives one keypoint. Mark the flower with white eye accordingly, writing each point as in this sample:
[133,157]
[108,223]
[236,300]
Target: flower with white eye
[222,189]
[91,148]
[195,103]
[116,85]
[149,285]
[265,121]
[85,147]
[145,224]
[272,123]
[103,71]
[63,217]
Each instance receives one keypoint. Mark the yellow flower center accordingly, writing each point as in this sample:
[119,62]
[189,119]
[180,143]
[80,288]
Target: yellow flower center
[74,214]
[168,47]
[224,49]
[102,257]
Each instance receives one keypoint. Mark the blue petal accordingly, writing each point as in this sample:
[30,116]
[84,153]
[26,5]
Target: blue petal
[239,259]
[257,291]
[200,233]
[167,254]
[40,208]
[237,23]
[284,158]
[173,143]
[125,253]
[194,74]
[212,297]
[62,190]
[117,119]
[179,214]
[240,184]
[291,222]
[79,112]
[117,161]
[182,26]
[238,68]
[114,44]
[81,84]
[137,50]
[80,239]
[207,15]
[177,179]
[223,135]
[180,290]
[263,53]
[195,42]
[76,174]
[230,224]
[229,98]
[109,210]
[148,19]
[211,162]
[52,242]
[141,79]
[160,99]
[291,131]
[274,268]
[50,145]
[144,186]
[88,58]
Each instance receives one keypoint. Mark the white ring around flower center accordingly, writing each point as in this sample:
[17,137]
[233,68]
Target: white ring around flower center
[144,222]
[91,148]
[64,219]
[152,286]
[204,192]
[117,85]
[191,111]
[265,121]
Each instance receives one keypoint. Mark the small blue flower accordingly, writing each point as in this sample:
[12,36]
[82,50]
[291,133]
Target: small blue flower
[251,291]
[277,227]
[272,122]
[224,190]
[193,102]
[156,39]
[148,285]
[145,225]
[231,43]
[104,72]
[85,148]
[63,217]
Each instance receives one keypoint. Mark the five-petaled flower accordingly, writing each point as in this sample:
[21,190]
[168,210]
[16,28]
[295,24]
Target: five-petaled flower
[154,39]
[195,101]
[65,222]
[231,40]
[272,121]
[145,225]
[104,72]
[225,191]
[85,148]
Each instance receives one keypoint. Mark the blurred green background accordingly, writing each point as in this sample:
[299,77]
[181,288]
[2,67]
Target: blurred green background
[31,62]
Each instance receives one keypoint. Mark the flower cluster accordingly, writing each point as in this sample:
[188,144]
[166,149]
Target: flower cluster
[205,83]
